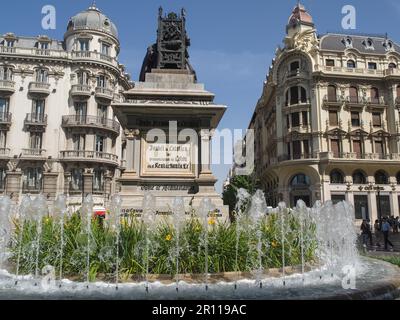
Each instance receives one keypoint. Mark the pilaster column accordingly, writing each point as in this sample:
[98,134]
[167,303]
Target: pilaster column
[132,137]
[205,149]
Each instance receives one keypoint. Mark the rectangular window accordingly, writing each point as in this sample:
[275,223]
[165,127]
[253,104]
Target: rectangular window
[372,66]
[383,203]
[296,150]
[295,119]
[306,148]
[102,111]
[79,141]
[288,121]
[98,181]
[84,45]
[105,49]
[377,119]
[289,150]
[338,198]
[43,45]
[335,147]
[77,180]
[305,118]
[379,148]
[42,76]
[330,62]
[101,82]
[294,95]
[3,139]
[355,119]
[3,175]
[357,148]
[33,179]
[38,109]
[35,140]
[361,207]
[333,118]
[4,106]
[100,144]
[81,111]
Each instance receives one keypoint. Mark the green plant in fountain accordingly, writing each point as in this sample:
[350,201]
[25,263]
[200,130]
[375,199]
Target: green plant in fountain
[221,237]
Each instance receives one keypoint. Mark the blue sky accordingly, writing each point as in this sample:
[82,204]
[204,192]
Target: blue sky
[233,42]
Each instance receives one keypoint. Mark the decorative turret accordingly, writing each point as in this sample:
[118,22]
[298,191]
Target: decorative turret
[300,20]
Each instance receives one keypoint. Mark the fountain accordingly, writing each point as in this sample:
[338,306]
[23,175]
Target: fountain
[285,253]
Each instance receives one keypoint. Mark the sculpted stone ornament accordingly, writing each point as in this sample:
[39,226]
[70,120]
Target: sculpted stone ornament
[131,134]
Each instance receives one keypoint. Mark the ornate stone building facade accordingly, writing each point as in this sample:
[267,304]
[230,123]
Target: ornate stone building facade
[327,126]
[58,132]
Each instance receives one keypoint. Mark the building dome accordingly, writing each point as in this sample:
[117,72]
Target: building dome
[300,14]
[92,19]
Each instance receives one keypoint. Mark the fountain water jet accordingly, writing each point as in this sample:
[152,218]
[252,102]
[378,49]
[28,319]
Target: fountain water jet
[115,221]
[242,199]
[87,216]
[206,207]
[258,211]
[148,219]
[39,208]
[60,211]
[179,220]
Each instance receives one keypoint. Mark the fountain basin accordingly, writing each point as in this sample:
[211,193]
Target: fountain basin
[377,280]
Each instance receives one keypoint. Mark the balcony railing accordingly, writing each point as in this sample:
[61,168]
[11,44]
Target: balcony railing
[334,99]
[4,152]
[96,56]
[5,118]
[36,119]
[33,152]
[81,90]
[376,101]
[355,71]
[100,122]
[32,187]
[39,88]
[74,155]
[104,93]
[7,86]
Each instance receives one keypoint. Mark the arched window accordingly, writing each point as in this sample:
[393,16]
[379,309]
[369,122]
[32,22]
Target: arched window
[374,95]
[353,95]
[359,177]
[381,177]
[332,97]
[398,178]
[392,65]
[337,177]
[351,64]
[300,181]
[398,91]
[294,66]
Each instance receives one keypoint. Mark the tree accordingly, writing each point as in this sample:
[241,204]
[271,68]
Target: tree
[230,193]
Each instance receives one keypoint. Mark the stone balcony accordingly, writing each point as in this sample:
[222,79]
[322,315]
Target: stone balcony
[7,87]
[104,94]
[34,154]
[95,57]
[351,71]
[39,88]
[89,156]
[81,91]
[84,56]
[77,121]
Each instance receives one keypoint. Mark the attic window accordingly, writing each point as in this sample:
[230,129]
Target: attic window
[348,42]
[107,23]
[369,44]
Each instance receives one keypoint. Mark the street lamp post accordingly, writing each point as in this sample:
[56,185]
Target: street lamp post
[379,189]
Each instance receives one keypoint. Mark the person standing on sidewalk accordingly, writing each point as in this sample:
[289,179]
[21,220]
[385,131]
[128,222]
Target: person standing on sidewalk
[385,230]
